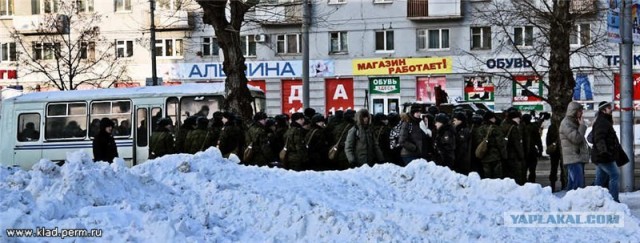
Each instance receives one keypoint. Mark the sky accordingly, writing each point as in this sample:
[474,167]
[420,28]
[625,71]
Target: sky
[205,198]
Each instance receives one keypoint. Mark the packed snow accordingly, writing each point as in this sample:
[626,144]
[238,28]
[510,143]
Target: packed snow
[205,198]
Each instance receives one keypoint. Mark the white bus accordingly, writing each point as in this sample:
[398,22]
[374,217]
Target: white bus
[50,124]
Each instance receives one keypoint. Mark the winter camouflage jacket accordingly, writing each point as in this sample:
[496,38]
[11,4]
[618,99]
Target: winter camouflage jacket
[198,140]
[296,146]
[260,141]
[161,143]
[495,147]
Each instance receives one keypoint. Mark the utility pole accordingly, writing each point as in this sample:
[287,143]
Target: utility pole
[306,24]
[152,29]
[626,96]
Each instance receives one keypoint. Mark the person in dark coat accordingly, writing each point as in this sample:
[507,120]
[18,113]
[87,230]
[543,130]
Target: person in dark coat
[381,132]
[475,124]
[295,144]
[555,158]
[514,166]
[411,136]
[496,152]
[361,147]
[104,145]
[231,137]
[394,154]
[187,126]
[259,139]
[338,135]
[282,125]
[199,139]
[606,149]
[318,146]
[462,163]
[445,141]
[533,145]
[162,140]
[216,126]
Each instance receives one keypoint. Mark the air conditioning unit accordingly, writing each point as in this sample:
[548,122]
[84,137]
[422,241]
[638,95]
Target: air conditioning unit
[260,37]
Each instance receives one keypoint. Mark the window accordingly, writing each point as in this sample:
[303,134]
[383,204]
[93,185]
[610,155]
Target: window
[45,51]
[84,5]
[123,5]
[170,4]
[384,40]
[288,44]
[124,48]
[433,39]
[142,139]
[88,50]
[169,48]
[580,35]
[210,46]
[66,121]
[49,6]
[9,53]
[118,111]
[523,36]
[195,105]
[481,38]
[28,127]
[249,46]
[337,1]
[6,7]
[339,42]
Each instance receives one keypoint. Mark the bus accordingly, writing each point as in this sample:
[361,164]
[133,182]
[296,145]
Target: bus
[51,124]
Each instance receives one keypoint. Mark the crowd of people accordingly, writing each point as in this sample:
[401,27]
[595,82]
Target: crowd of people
[465,141]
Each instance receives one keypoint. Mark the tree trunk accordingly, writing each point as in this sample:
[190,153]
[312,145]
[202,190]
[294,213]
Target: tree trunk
[238,99]
[561,81]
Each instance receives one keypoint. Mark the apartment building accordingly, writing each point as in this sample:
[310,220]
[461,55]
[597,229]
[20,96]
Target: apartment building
[377,54]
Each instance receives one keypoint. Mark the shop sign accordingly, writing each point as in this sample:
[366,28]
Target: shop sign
[384,85]
[338,94]
[426,88]
[479,89]
[432,65]
[291,96]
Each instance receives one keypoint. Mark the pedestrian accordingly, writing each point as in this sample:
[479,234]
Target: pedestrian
[555,157]
[381,132]
[187,126]
[411,136]
[428,128]
[199,139]
[575,150]
[607,153]
[496,151]
[231,136]
[361,146]
[162,141]
[462,163]
[258,138]
[317,144]
[514,165]
[532,146]
[104,145]
[338,134]
[445,141]
[295,144]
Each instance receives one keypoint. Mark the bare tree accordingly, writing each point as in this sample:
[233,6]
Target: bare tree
[550,52]
[61,48]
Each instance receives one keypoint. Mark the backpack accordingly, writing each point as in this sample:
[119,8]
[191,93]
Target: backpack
[394,135]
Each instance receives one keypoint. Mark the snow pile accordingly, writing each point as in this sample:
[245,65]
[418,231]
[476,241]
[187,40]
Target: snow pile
[205,198]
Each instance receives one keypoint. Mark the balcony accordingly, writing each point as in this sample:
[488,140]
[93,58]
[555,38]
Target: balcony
[434,9]
[41,24]
[282,13]
[166,19]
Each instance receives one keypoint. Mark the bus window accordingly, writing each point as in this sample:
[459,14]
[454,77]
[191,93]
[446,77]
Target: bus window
[259,104]
[28,125]
[172,110]
[156,116]
[66,121]
[118,111]
[142,128]
[203,106]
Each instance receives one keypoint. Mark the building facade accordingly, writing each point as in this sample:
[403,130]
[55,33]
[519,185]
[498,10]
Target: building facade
[376,54]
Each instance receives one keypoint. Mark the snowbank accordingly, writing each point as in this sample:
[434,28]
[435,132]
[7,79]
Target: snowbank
[203,198]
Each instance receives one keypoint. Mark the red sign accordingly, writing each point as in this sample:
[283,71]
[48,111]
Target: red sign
[425,88]
[261,84]
[636,86]
[292,96]
[8,74]
[338,94]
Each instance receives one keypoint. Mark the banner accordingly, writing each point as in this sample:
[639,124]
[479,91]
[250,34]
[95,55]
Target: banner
[433,65]
[261,84]
[338,95]
[636,86]
[479,89]
[529,98]
[425,88]
[292,96]
[384,85]
[614,19]
[255,70]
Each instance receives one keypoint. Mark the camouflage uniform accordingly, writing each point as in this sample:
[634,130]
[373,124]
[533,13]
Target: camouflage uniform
[296,147]
[514,165]
[161,143]
[259,139]
[492,160]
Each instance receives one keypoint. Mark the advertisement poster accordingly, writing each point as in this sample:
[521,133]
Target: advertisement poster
[529,98]
[425,88]
[261,84]
[338,94]
[292,96]
[636,86]
[384,85]
[431,65]
[614,17]
[478,89]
